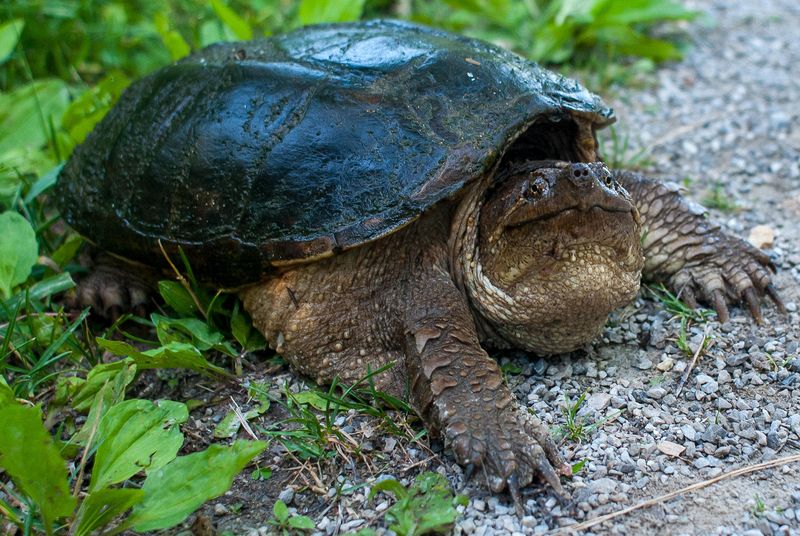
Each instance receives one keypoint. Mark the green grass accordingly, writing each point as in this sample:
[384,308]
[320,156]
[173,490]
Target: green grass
[576,427]
[719,199]
[676,307]
[62,67]
[615,148]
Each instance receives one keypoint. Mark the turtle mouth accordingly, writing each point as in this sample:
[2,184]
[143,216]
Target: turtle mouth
[577,210]
[606,233]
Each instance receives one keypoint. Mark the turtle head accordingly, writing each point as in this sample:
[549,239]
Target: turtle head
[561,242]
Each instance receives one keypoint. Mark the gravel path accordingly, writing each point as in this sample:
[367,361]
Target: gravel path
[725,118]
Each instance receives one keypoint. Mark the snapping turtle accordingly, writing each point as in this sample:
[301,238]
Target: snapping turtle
[383,192]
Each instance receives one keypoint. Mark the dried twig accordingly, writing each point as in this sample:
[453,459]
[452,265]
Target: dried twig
[182,280]
[89,441]
[688,489]
[702,348]
[242,420]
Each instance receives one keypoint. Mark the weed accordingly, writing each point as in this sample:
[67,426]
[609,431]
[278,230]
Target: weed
[287,523]
[657,380]
[759,506]
[426,507]
[719,199]
[316,417]
[575,427]
[618,153]
[676,307]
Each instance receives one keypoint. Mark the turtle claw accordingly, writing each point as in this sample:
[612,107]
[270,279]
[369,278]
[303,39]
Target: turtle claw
[751,298]
[718,301]
[516,496]
[551,477]
[772,292]
[469,470]
[512,449]
[735,271]
[112,289]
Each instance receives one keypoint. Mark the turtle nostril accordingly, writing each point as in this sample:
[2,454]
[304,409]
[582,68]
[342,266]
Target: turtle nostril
[577,173]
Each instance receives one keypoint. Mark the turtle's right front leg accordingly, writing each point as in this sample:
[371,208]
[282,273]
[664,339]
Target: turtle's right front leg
[459,390]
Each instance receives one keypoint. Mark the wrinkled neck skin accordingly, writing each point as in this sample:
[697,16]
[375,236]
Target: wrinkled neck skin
[544,286]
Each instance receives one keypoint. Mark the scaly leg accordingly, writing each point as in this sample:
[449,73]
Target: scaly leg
[693,255]
[459,390]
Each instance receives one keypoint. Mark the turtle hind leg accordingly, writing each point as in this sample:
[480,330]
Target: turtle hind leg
[114,287]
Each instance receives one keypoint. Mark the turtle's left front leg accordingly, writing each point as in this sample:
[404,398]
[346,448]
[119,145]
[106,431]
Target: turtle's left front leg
[693,255]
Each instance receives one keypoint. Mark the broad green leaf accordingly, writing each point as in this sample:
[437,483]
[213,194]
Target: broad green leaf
[242,330]
[230,424]
[316,11]
[28,455]
[391,485]
[27,113]
[302,523]
[10,33]
[240,28]
[88,109]
[18,251]
[262,473]
[66,387]
[105,398]
[172,355]
[38,291]
[639,12]
[100,508]
[312,399]
[176,490]
[280,511]
[425,508]
[193,330]
[122,371]
[178,298]
[211,31]
[173,41]
[6,393]
[67,250]
[136,435]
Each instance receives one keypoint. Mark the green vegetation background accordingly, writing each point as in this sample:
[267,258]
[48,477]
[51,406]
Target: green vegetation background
[63,64]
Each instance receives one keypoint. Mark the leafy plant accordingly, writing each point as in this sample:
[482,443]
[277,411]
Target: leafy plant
[132,436]
[718,199]
[312,431]
[287,523]
[427,507]
[576,427]
[588,33]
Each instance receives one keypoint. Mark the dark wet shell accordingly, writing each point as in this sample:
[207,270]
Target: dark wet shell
[250,154]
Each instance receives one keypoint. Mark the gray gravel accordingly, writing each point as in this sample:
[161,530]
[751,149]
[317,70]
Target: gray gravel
[727,114]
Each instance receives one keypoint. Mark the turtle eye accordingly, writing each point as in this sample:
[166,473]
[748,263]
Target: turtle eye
[608,180]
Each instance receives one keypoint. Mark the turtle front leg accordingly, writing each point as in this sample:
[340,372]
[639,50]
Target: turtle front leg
[459,391]
[693,255]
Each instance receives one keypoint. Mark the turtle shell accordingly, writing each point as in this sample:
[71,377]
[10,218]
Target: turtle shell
[254,154]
